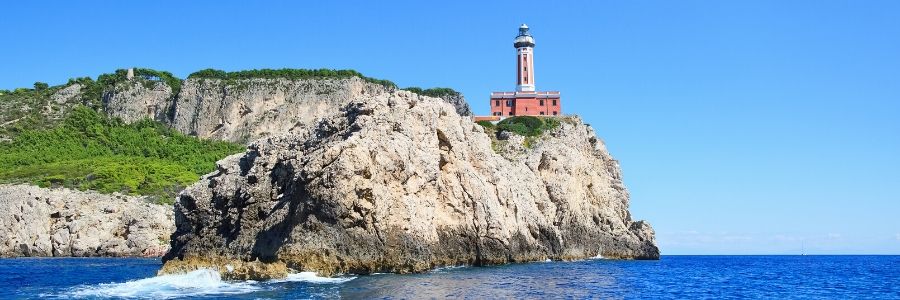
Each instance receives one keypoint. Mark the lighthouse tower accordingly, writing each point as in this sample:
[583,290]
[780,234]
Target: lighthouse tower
[526,100]
[524,44]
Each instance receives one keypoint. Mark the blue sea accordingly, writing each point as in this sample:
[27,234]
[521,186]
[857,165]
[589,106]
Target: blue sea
[672,277]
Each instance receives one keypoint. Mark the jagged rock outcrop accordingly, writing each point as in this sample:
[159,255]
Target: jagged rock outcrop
[68,94]
[459,102]
[38,221]
[395,182]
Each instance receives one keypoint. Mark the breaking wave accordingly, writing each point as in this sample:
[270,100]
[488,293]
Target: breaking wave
[446,268]
[193,284]
[311,277]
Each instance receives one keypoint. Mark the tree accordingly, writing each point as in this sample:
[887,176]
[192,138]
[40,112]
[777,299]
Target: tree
[40,86]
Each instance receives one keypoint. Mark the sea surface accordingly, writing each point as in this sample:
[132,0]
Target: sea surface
[672,277]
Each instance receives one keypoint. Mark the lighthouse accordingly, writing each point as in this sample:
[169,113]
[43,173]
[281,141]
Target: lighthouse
[524,44]
[526,100]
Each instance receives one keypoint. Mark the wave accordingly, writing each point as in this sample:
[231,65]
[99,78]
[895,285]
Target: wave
[193,284]
[311,277]
[446,268]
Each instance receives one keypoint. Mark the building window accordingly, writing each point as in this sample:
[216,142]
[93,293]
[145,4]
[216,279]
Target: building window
[542,113]
[496,102]
[526,79]
[508,103]
[542,102]
[554,113]
[554,102]
[512,113]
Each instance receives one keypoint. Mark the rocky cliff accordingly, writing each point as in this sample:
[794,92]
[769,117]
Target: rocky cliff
[458,101]
[248,109]
[345,176]
[397,182]
[242,110]
[236,110]
[138,98]
[61,222]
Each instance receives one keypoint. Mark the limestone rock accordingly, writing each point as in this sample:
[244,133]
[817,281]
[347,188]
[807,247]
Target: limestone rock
[239,110]
[458,102]
[248,109]
[70,93]
[139,98]
[397,182]
[37,221]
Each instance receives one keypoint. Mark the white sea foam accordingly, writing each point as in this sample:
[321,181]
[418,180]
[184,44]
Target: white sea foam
[311,277]
[446,268]
[192,284]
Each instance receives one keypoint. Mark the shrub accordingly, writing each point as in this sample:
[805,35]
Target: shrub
[109,80]
[40,86]
[432,92]
[486,124]
[528,125]
[287,74]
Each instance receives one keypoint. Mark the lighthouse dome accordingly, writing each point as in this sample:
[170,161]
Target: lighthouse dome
[524,39]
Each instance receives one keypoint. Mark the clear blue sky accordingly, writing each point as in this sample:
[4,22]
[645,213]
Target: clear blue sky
[742,127]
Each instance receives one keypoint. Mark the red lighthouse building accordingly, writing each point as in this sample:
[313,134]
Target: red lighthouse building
[525,101]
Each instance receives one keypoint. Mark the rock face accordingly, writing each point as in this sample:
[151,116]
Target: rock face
[248,109]
[69,94]
[458,102]
[138,98]
[236,110]
[396,182]
[61,222]
[242,110]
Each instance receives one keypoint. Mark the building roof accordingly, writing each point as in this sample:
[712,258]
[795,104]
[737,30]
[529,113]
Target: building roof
[524,39]
[514,95]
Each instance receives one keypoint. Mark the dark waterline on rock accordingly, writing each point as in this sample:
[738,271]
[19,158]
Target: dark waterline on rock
[870,277]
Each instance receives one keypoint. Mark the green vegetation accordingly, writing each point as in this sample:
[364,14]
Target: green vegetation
[287,74]
[150,75]
[432,92]
[23,109]
[91,151]
[92,91]
[26,109]
[64,139]
[528,126]
[487,125]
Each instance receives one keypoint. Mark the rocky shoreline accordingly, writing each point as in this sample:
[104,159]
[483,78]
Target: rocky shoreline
[62,222]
